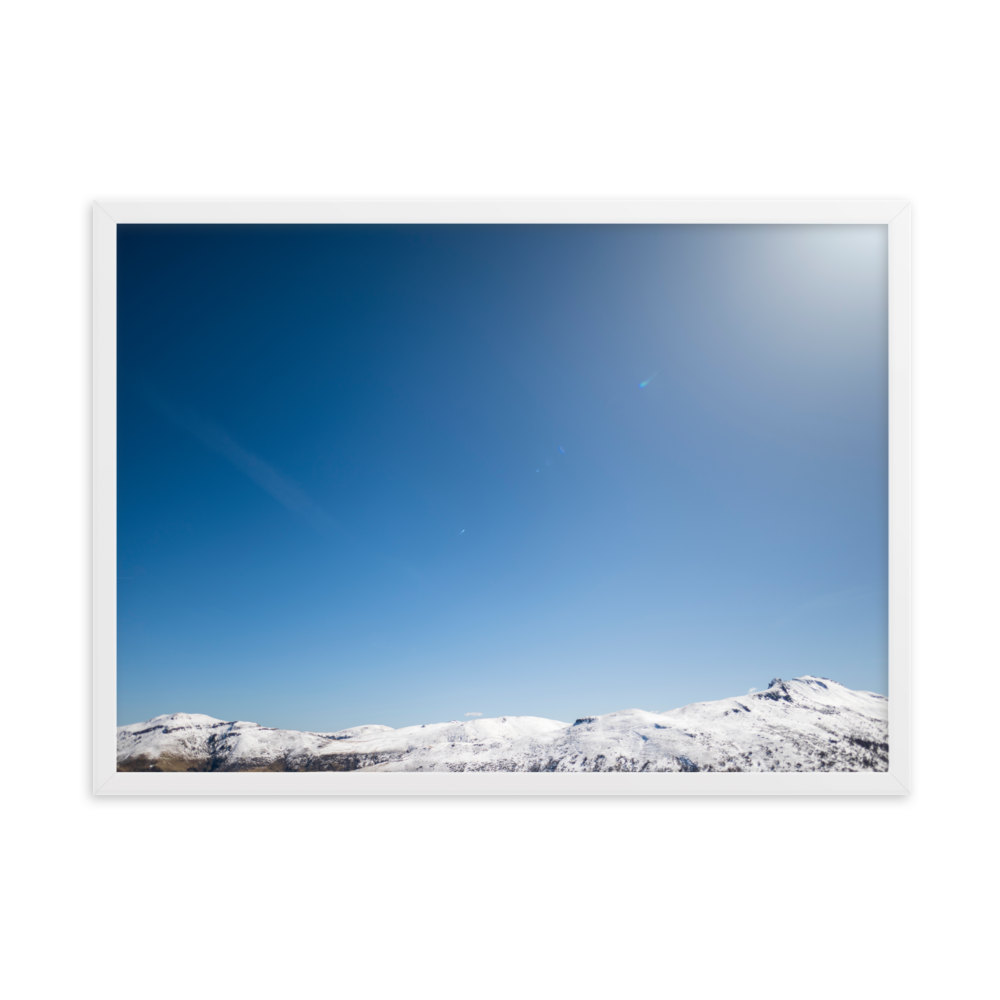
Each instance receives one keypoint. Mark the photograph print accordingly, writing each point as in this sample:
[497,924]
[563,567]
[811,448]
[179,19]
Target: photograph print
[502,498]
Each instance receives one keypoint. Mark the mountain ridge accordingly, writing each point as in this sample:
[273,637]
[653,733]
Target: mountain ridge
[807,723]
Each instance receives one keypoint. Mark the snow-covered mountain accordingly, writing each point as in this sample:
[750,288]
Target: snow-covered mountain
[805,724]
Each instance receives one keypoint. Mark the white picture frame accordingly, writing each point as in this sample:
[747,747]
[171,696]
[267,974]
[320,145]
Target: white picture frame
[893,213]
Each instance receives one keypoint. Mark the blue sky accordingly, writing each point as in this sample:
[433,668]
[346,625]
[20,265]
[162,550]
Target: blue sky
[397,474]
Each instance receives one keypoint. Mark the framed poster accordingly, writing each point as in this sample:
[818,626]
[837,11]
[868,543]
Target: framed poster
[581,497]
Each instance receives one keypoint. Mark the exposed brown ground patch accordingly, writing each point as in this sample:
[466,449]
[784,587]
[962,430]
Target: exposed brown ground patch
[165,762]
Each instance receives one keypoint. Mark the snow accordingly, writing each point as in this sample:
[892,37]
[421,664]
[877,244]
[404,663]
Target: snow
[355,731]
[178,718]
[473,732]
[805,724]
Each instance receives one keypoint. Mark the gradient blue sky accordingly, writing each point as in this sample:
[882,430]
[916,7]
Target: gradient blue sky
[396,474]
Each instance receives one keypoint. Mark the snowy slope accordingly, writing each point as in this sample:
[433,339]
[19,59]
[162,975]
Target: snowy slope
[805,724]
[475,733]
[355,731]
[183,742]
